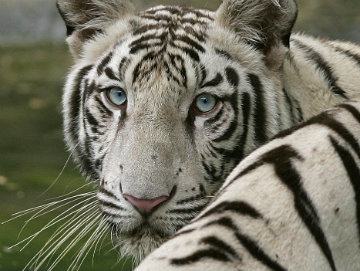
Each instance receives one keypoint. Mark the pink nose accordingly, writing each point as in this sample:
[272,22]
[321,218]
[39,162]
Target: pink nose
[145,206]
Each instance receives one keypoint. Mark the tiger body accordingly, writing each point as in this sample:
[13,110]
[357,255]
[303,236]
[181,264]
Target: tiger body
[160,145]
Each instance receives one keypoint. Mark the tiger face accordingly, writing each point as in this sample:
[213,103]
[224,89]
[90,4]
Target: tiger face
[161,105]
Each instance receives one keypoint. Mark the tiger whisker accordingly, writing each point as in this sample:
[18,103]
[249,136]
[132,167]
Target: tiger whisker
[59,175]
[44,206]
[93,240]
[52,242]
[74,191]
[101,238]
[49,224]
[80,235]
[66,232]
[41,212]
[83,252]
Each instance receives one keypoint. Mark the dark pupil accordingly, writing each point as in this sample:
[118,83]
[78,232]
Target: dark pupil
[204,100]
[119,93]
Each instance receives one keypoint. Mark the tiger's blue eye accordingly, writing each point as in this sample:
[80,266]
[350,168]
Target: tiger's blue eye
[205,102]
[117,96]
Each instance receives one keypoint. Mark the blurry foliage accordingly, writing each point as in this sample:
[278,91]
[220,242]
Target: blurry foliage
[32,152]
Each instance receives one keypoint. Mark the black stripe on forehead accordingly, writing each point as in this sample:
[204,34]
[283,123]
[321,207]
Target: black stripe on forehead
[181,11]
[103,63]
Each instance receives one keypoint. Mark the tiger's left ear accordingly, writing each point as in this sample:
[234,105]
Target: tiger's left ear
[86,18]
[265,24]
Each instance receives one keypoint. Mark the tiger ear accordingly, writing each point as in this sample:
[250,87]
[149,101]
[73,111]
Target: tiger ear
[86,18]
[265,24]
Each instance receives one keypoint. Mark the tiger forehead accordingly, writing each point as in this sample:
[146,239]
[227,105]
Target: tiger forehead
[177,14]
[168,24]
[165,45]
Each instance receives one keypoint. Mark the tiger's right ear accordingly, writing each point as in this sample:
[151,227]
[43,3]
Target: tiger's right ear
[86,18]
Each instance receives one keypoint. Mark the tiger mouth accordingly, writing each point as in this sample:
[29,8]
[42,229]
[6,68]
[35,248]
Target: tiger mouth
[145,228]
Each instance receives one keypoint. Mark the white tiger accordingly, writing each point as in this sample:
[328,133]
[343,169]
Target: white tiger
[161,105]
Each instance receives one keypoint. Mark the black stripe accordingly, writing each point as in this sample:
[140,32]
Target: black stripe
[110,205]
[258,253]
[224,222]
[223,54]
[190,52]
[203,75]
[290,105]
[216,243]
[323,66]
[122,68]
[103,63]
[352,110]
[145,46]
[182,233]
[143,39]
[138,69]
[200,36]
[191,42]
[351,55]
[90,118]
[353,173]
[238,207]
[75,100]
[146,28]
[199,255]
[171,75]
[281,158]
[191,21]
[234,123]
[215,118]
[170,9]
[191,199]
[232,77]
[214,82]
[196,210]
[326,119]
[110,73]
[239,151]
[300,115]
[102,190]
[259,110]
[157,17]
[103,109]
[343,132]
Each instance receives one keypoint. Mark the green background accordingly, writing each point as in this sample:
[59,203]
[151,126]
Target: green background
[32,152]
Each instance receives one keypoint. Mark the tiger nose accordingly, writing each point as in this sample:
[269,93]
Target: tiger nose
[145,206]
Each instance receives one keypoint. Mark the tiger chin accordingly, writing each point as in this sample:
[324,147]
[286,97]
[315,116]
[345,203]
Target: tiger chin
[139,243]
[161,105]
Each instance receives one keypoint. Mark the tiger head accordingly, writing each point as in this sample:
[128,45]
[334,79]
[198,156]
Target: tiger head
[161,105]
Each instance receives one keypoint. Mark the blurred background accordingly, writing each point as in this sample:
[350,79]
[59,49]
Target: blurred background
[33,65]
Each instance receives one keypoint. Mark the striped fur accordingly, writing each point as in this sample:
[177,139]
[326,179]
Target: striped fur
[163,58]
[293,204]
